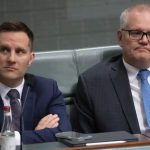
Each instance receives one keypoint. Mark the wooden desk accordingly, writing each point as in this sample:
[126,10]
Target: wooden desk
[143,141]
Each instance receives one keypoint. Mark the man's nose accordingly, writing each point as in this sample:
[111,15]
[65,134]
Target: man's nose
[12,56]
[144,38]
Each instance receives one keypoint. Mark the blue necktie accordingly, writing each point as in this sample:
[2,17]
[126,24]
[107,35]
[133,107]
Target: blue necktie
[14,95]
[145,91]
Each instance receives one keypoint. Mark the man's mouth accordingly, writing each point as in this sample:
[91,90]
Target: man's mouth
[10,68]
[143,49]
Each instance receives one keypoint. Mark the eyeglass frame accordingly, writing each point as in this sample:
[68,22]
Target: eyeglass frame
[143,33]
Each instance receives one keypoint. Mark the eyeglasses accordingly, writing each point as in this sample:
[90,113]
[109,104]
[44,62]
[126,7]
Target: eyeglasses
[137,34]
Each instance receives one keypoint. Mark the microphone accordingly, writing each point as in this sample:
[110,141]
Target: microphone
[29,81]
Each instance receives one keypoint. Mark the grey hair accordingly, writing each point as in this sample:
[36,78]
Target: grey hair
[124,15]
[123,18]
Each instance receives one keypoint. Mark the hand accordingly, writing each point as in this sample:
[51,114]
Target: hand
[49,121]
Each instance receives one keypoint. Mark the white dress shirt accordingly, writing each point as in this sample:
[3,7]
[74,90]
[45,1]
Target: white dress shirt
[3,92]
[135,86]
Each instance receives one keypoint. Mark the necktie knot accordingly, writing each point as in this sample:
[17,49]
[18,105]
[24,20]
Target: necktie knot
[143,74]
[13,94]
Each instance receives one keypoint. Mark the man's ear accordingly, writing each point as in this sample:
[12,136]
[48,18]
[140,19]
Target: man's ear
[32,56]
[119,37]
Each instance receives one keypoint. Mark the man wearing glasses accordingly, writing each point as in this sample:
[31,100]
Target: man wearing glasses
[111,96]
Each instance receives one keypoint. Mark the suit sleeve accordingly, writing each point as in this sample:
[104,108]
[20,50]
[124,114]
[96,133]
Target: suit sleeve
[84,108]
[56,106]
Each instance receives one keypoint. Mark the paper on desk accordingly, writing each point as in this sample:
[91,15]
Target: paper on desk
[103,143]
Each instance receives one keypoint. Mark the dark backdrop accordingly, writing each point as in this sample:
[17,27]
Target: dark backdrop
[67,24]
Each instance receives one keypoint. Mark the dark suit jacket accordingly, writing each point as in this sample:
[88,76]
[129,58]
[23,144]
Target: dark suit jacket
[40,97]
[104,101]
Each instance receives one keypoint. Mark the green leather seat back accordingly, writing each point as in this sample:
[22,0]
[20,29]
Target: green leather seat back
[66,65]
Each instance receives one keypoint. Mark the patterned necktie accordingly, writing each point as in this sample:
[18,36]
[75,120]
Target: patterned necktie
[145,91]
[14,95]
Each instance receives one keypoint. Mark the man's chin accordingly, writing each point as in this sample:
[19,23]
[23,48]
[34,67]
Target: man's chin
[142,61]
[10,77]
[142,55]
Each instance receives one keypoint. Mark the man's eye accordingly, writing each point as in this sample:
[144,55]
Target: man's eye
[20,52]
[3,50]
[148,33]
[136,32]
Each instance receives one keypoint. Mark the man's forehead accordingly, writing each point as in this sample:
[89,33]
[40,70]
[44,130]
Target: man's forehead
[13,37]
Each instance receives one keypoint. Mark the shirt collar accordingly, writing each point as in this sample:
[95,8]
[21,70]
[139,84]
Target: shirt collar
[131,70]
[4,89]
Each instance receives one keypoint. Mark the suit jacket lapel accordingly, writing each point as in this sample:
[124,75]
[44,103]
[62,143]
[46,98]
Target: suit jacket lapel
[121,84]
[28,105]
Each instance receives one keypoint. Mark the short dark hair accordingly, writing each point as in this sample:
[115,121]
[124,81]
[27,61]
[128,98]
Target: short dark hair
[16,27]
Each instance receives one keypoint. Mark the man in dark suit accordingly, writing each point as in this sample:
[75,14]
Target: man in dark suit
[109,94]
[43,112]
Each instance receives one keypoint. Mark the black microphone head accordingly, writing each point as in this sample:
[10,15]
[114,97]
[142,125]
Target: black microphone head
[29,79]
